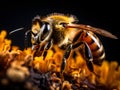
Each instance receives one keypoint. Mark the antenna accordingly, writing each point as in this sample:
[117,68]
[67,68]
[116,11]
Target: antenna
[19,29]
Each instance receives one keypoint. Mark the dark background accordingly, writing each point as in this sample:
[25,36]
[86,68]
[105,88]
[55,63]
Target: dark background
[17,14]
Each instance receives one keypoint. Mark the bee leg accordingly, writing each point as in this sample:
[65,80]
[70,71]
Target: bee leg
[87,54]
[88,57]
[65,57]
[47,46]
[37,50]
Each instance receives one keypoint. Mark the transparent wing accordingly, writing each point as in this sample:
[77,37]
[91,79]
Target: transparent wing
[93,29]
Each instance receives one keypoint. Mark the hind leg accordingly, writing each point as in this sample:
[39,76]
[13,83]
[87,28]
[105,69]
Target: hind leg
[87,55]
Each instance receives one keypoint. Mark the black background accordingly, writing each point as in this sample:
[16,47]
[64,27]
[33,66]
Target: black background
[17,14]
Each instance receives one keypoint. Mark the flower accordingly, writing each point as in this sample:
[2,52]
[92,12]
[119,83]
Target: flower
[37,73]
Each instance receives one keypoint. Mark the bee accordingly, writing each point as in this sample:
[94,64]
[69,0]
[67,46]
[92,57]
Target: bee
[64,31]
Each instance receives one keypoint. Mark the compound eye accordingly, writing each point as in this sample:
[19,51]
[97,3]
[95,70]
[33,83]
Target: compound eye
[46,30]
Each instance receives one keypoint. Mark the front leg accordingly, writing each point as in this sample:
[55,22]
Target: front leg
[48,45]
[41,49]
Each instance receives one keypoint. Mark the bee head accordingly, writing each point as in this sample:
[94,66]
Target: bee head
[41,30]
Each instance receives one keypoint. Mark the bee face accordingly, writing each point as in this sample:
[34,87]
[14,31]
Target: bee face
[36,25]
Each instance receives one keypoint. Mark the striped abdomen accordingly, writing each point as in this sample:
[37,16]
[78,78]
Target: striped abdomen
[95,45]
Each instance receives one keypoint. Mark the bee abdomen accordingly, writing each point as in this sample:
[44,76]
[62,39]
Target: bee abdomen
[96,47]
[98,55]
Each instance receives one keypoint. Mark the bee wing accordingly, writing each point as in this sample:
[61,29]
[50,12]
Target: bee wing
[93,29]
